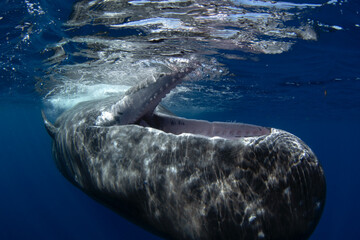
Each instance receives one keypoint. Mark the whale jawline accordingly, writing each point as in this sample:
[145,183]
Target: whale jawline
[178,125]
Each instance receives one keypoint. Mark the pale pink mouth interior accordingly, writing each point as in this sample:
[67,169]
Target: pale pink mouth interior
[178,125]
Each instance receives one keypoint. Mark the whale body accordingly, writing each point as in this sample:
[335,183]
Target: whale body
[188,179]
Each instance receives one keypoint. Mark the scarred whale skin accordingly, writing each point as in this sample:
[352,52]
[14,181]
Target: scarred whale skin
[186,185]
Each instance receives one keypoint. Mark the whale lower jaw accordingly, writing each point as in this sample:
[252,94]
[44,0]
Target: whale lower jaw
[191,186]
[178,125]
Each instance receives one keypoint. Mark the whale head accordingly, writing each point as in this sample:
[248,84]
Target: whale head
[188,179]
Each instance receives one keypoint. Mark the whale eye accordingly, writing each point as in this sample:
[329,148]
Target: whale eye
[161,75]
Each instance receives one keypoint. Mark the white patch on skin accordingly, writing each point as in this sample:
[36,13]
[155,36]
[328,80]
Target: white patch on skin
[104,117]
[272,180]
[261,234]
[146,164]
[81,122]
[173,170]
[317,205]
[252,218]
[260,211]
[215,137]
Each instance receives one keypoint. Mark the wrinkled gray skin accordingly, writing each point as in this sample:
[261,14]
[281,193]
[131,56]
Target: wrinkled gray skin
[214,181]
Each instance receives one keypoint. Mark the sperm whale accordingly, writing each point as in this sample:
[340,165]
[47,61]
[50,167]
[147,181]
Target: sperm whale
[188,179]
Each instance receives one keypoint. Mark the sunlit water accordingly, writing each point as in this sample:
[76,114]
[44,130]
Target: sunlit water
[292,65]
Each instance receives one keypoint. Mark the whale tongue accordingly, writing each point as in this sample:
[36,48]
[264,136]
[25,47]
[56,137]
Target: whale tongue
[143,98]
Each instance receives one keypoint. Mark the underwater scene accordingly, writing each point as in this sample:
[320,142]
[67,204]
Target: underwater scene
[93,80]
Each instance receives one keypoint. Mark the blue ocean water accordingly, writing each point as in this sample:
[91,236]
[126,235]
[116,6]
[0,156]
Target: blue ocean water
[311,90]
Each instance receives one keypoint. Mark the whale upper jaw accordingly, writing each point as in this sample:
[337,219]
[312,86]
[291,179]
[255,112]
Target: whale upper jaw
[141,99]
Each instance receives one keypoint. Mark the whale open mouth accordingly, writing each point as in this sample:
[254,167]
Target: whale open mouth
[140,106]
[178,125]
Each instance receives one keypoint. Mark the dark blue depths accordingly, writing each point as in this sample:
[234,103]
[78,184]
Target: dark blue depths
[316,97]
